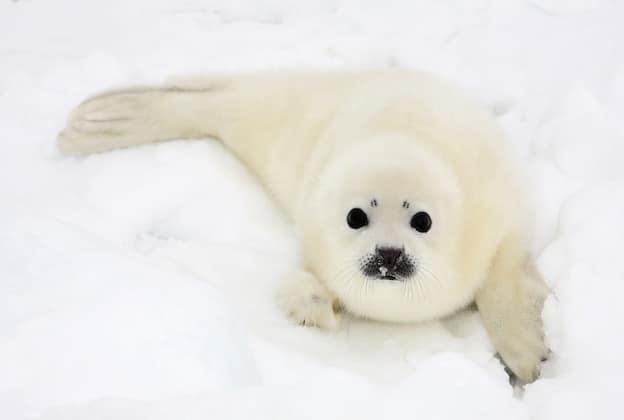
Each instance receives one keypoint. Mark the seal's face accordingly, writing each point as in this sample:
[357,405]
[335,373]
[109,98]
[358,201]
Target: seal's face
[389,231]
[388,262]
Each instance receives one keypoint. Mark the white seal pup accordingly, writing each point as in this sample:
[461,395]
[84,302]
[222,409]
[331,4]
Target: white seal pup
[402,190]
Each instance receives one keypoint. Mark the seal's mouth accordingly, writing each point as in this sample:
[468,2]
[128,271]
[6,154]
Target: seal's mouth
[391,264]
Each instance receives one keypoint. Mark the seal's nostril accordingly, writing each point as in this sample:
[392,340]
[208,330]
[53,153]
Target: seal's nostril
[390,256]
[388,263]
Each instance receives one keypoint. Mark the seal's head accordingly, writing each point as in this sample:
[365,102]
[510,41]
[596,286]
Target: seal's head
[388,229]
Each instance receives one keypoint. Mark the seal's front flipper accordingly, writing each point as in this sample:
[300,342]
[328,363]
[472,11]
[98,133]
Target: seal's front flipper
[306,301]
[510,303]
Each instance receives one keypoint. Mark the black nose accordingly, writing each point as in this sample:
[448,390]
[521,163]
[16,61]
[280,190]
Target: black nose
[390,257]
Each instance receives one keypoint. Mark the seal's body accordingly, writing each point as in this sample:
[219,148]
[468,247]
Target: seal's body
[401,188]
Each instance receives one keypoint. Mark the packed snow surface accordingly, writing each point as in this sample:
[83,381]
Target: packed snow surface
[139,284]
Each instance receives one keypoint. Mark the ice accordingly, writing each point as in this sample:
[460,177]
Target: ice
[140,283]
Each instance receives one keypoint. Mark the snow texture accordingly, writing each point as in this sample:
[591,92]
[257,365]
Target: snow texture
[139,284]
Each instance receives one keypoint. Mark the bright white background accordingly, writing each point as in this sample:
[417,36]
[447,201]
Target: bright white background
[139,284]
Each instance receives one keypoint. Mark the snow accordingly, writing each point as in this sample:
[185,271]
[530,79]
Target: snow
[140,283]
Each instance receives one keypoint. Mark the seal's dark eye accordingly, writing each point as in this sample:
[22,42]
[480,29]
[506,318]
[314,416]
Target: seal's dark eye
[421,221]
[357,218]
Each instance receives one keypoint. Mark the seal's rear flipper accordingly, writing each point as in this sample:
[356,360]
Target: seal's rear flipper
[135,116]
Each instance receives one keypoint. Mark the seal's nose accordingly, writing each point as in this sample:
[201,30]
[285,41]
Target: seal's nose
[389,257]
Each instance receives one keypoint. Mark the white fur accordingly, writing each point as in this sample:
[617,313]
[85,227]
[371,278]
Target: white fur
[323,143]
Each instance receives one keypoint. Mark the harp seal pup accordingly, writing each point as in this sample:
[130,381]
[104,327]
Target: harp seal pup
[404,196]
